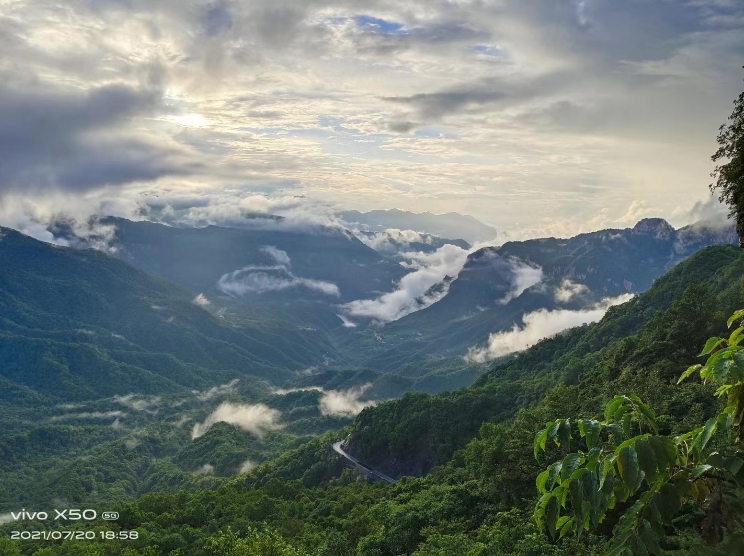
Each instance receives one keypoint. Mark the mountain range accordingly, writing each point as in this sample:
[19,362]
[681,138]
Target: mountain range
[450,225]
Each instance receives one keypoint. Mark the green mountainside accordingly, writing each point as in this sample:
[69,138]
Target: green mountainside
[473,446]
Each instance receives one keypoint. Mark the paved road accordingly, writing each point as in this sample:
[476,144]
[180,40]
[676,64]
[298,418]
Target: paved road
[366,469]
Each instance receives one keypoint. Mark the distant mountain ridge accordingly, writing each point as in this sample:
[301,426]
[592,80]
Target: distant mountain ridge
[577,273]
[451,225]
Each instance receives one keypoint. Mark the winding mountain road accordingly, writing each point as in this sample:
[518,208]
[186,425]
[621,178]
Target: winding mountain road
[366,469]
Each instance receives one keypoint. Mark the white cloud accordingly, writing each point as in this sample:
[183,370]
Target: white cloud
[206,469]
[246,466]
[347,322]
[539,325]
[215,391]
[278,255]
[429,269]
[568,290]
[344,403]
[6,518]
[138,402]
[285,391]
[256,419]
[253,279]
[524,277]
[90,415]
[201,300]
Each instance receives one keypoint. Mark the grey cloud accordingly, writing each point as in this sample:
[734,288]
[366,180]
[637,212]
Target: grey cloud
[79,141]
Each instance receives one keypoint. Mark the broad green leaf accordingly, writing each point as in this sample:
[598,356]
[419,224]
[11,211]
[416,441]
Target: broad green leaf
[736,336]
[690,370]
[564,526]
[570,463]
[627,466]
[612,406]
[665,450]
[646,459]
[553,431]
[649,537]
[564,434]
[736,316]
[554,472]
[700,469]
[711,345]
[540,441]
[668,502]
[708,430]
[590,430]
[552,509]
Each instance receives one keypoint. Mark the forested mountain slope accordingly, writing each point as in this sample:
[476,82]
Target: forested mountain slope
[476,501]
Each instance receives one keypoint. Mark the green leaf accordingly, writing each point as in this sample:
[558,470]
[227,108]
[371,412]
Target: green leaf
[590,429]
[736,316]
[736,336]
[649,538]
[711,344]
[665,450]
[627,466]
[564,434]
[540,441]
[551,515]
[668,502]
[700,469]
[710,428]
[612,407]
[570,463]
[690,370]
[646,460]
[554,472]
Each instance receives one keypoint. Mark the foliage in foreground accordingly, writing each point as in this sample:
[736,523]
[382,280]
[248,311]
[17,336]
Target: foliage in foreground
[623,461]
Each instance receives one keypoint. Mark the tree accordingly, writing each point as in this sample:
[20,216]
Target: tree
[729,177]
[623,462]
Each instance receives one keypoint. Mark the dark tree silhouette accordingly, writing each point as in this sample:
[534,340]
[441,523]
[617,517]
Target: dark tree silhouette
[729,177]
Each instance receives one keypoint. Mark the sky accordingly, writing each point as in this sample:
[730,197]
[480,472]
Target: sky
[538,117]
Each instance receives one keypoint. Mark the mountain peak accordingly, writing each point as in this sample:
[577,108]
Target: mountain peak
[654,226]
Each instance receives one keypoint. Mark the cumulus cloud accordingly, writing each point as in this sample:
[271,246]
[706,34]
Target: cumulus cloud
[539,325]
[568,290]
[138,402]
[256,419]
[414,291]
[255,279]
[344,403]
[201,300]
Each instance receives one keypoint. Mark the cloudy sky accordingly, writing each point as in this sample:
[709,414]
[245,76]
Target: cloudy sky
[548,115]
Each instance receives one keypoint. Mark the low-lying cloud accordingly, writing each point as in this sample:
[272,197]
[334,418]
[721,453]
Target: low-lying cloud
[256,419]
[216,391]
[414,291]
[539,325]
[246,466]
[254,279]
[139,403]
[201,300]
[568,290]
[90,415]
[524,276]
[345,403]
